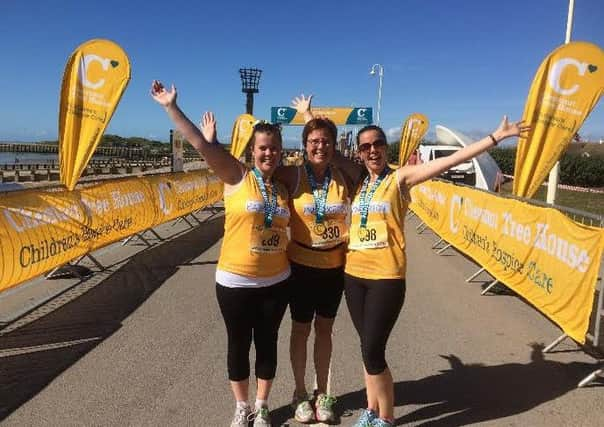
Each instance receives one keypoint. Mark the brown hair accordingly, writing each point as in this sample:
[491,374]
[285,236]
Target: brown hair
[320,124]
[367,128]
[269,129]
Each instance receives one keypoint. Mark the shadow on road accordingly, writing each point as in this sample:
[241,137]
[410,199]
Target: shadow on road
[473,393]
[40,351]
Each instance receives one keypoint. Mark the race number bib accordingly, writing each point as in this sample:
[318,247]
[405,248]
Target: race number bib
[327,233]
[268,240]
[375,235]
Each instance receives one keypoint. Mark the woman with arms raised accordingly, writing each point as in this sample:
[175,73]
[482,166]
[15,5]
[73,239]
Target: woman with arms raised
[250,281]
[376,263]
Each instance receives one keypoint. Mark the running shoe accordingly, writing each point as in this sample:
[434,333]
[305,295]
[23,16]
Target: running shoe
[324,408]
[378,422]
[261,416]
[366,418]
[240,419]
[303,412]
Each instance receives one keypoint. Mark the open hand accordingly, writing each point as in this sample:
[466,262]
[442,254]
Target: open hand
[302,104]
[162,96]
[208,127]
[507,129]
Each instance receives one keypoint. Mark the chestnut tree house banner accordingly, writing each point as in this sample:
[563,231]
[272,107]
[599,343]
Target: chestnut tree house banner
[414,129]
[565,89]
[95,77]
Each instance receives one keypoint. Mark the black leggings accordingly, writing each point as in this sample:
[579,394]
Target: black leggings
[374,306]
[252,313]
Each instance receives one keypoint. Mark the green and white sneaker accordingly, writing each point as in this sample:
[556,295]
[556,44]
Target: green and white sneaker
[324,408]
[303,412]
[262,417]
[240,419]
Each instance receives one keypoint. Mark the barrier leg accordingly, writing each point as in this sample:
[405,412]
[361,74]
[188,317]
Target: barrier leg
[591,377]
[421,224]
[555,343]
[599,315]
[488,288]
[155,234]
[444,248]
[473,276]
[434,246]
[423,227]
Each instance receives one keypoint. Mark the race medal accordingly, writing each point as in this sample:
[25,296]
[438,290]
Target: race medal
[268,240]
[319,229]
[270,203]
[374,236]
[319,197]
[362,232]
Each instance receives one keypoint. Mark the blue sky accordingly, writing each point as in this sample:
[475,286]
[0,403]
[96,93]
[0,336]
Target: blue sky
[464,64]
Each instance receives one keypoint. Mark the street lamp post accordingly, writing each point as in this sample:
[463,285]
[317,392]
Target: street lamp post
[250,79]
[380,73]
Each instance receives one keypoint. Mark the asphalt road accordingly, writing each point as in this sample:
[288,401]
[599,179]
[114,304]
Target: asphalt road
[143,344]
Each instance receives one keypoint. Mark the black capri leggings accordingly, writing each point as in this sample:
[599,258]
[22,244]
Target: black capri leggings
[374,306]
[252,313]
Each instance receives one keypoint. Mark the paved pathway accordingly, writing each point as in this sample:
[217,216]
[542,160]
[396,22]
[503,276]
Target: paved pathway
[143,344]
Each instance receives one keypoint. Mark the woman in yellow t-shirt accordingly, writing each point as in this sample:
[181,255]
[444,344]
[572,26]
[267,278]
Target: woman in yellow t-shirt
[250,281]
[319,204]
[374,279]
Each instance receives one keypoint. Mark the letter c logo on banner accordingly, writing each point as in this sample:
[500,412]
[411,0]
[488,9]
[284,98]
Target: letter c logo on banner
[454,213]
[163,202]
[361,112]
[84,63]
[281,112]
[556,71]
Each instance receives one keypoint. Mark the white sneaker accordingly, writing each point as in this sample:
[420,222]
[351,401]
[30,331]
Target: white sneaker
[303,412]
[262,417]
[324,406]
[240,419]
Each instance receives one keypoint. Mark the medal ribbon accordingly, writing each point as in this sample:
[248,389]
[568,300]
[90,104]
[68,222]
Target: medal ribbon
[320,197]
[270,204]
[365,198]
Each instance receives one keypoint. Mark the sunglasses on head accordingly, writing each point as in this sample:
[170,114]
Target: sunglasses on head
[376,144]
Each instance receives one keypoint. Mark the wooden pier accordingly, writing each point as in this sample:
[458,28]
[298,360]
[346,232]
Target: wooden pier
[124,152]
[24,172]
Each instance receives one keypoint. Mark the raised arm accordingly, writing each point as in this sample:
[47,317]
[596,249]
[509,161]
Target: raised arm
[226,167]
[416,174]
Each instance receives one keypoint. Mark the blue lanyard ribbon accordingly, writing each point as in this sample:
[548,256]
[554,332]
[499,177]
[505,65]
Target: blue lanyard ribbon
[270,204]
[320,197]
[365,198]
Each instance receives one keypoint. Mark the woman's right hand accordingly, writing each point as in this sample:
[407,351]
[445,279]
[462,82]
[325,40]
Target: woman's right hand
[163,97]
[208,127]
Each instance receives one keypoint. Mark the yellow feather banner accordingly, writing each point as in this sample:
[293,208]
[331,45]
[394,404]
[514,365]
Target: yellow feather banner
[565,89]
[243,128]
[95,78]
[414,129]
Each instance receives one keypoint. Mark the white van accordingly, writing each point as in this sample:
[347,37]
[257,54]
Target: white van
[481,171]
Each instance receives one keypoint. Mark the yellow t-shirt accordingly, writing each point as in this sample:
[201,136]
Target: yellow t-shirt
[378,251]
[248,247]
[319,245]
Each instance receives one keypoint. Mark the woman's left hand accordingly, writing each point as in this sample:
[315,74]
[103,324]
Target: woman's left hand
[302,103]
[507,129]
[163,97]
